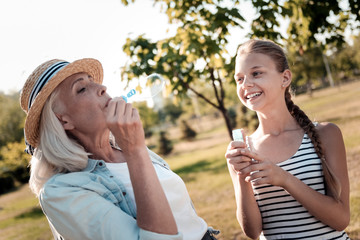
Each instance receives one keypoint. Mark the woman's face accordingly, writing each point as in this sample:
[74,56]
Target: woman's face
[82,104]
[259,84]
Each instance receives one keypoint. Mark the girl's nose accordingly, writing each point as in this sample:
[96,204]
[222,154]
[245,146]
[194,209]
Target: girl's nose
[247,81]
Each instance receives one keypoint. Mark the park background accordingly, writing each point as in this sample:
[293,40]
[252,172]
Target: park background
[193,46]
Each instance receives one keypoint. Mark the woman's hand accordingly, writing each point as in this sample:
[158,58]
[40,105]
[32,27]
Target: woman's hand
[153,210]
[262,171]
[124,122]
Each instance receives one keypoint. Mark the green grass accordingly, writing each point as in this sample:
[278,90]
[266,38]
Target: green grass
[21,217]
[202,165]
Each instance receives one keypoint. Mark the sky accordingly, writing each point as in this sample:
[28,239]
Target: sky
[34,31]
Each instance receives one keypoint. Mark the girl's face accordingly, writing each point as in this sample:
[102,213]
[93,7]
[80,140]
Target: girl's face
[259,84]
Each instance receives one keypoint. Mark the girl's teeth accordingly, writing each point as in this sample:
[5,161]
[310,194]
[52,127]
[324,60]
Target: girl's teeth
[253,95]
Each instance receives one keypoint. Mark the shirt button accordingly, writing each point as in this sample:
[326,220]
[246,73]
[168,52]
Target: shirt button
[124,193]
[100,164]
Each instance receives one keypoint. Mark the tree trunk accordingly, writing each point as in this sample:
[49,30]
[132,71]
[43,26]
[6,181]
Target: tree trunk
[224,112]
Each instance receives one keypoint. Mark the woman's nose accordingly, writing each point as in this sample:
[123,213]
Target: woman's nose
[101,90]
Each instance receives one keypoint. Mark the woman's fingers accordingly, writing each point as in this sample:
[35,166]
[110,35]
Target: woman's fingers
[120,111]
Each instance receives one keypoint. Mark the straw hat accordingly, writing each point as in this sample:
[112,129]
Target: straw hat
[42,82]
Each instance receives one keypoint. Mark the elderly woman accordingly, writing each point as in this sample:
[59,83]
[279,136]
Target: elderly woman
[93,174]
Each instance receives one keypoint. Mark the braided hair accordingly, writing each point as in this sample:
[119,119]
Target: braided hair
[276,53]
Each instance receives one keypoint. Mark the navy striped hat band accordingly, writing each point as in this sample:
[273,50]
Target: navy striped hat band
[43,79]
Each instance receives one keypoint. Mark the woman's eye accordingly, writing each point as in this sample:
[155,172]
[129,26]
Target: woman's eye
[81,90]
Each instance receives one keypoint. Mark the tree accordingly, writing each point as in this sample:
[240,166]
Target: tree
[149,117]
[165,145]
[312,22]
[315,25]
[172,111]
[11,119]
[13,165]
[346,61]
[306,68]
[188,132]
[195,56]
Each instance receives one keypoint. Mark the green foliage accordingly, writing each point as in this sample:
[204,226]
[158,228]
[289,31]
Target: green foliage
[149,117]
[346,61]
[314,27]
[248,119]
[172,111]
[6,183]
[11,119]
[165,145]
[13,166]
[187,131]
[308,18]
[355,8]
[13,159]
[195,55]
[232,116]
[126,2]
[306,68]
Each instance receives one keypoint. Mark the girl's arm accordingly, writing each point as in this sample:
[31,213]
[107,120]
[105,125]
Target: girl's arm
[335,214]
[247,213]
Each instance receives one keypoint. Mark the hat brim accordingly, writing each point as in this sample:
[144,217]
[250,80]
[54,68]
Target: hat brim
[32,123]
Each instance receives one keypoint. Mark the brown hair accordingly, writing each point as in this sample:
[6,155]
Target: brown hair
[276,53]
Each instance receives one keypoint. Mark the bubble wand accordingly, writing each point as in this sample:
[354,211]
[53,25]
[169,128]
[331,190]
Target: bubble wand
[155,83]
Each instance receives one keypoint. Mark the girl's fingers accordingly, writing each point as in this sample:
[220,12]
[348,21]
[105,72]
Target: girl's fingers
[235,152]
[252,155]
[236,144]
[257,181]
[254,167]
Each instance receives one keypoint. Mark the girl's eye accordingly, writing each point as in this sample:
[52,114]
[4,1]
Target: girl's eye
[239,80]
[256,74]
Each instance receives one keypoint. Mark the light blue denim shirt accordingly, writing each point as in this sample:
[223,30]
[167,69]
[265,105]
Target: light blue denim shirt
[92,204]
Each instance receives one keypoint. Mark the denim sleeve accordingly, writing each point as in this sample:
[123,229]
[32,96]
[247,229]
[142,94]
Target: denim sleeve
[77,213]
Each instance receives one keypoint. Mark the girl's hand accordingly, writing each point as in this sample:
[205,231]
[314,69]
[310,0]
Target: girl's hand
[235,158]
[263,171]
[124,122]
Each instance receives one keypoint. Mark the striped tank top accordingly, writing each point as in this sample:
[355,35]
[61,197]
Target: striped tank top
[282,216]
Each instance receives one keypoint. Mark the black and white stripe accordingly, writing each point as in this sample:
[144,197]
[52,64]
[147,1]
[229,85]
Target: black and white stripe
[43,79]
[285,218]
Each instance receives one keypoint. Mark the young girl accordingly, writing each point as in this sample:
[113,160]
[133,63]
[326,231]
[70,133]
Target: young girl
[292,182]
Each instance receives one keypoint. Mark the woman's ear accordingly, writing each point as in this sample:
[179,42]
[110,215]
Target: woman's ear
[65,122]
[287,76]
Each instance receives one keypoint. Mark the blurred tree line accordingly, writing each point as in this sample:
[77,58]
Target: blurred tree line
[199,69]
[13,159]
[196,56]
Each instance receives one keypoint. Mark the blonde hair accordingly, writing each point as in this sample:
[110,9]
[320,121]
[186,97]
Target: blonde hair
[276,53]
[56,152]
